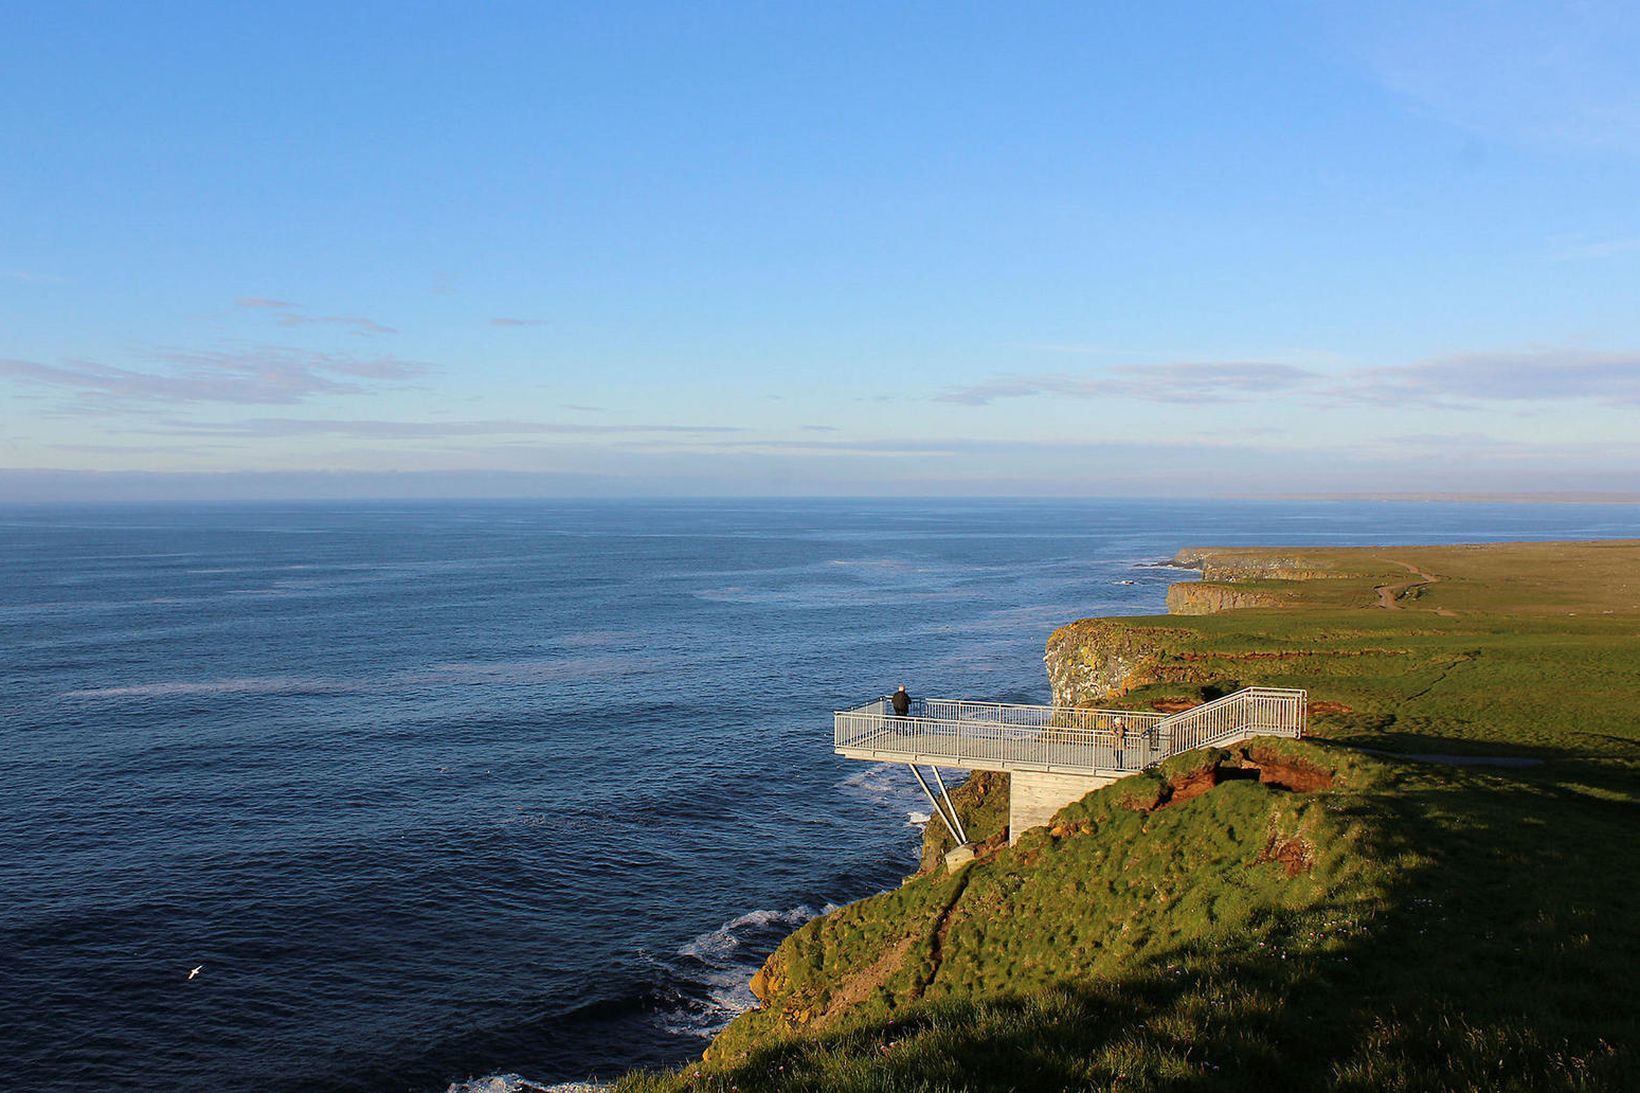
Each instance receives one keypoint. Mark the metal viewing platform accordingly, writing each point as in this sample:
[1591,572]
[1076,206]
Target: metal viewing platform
[1062,748]
[1058,739]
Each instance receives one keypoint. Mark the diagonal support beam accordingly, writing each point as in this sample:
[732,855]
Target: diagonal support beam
[951,807]
[948,812]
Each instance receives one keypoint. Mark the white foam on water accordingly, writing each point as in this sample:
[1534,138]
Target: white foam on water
[722,961]
[917,819]
[513,1083]
[718,943]
[878,782]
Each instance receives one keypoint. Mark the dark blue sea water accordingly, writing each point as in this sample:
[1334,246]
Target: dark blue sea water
[446,791]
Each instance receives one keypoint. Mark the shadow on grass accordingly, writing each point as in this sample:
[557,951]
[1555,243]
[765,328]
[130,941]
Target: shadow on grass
[1605,777]
[1500,959]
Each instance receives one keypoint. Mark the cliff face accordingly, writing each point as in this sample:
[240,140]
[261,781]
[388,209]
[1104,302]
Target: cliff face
[1227,573]
[1095,661]
[1203,598]
[1092,661]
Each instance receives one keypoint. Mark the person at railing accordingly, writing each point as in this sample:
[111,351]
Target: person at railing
[901,702]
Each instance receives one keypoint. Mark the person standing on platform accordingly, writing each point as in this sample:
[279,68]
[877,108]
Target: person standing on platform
[901,702]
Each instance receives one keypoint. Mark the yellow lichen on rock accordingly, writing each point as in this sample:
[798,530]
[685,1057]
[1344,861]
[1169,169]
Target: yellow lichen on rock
[1096,660]
[1203,598]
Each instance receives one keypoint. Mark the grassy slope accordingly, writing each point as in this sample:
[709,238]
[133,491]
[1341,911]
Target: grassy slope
[1455,928]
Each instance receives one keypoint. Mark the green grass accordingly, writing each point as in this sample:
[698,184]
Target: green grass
[1445,927]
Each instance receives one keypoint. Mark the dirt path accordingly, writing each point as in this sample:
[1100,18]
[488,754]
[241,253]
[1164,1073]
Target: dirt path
[1389,595]
[862,984]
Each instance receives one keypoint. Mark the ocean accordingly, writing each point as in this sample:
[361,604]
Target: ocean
[439,795]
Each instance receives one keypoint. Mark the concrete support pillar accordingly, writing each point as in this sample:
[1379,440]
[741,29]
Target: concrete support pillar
[1033,798]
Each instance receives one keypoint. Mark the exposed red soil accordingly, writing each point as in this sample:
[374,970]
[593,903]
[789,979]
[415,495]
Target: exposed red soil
[1328,707]
[1272,769]
[1285,772]
[1150,796]
[1193,784]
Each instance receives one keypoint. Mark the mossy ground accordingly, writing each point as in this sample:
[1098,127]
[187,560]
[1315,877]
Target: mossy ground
[1413,926]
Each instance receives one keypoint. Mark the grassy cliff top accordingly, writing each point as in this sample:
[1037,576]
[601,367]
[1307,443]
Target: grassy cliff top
[1323,914]
[1520,649]
[1548,579]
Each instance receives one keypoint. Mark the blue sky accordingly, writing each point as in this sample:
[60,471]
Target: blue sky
[1178,249]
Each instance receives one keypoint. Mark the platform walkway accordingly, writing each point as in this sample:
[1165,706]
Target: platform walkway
[1055,753]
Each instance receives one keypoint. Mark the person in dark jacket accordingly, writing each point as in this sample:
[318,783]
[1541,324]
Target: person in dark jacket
[901,702]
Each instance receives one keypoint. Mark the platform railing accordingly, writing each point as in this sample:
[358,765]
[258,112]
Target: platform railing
[1252,711]
[1070,738]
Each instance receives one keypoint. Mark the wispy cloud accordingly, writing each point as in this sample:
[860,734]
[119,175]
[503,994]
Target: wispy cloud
[1188,381]
[979,447]
[1530,374]
[1605,248]
[290,315]
[135,449]
[375,429]
[517,322]
[253,377]
[1075,349]
[1457,380]
[1189,466]
[31,277]
[1560,75]
[358,323]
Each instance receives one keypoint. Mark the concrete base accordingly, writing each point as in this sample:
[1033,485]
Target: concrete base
[1033,798]
[958,856]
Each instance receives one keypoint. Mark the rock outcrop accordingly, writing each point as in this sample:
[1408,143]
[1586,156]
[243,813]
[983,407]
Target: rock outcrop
[1201,598]
[1093,661]
[1236,564]
[1226,575]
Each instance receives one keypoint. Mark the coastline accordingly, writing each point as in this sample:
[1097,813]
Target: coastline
[1316,591]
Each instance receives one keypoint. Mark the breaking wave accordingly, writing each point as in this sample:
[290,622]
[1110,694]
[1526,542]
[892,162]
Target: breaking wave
[513,1083]
[711,971]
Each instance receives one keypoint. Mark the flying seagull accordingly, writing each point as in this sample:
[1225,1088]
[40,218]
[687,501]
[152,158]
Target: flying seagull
[196,971]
